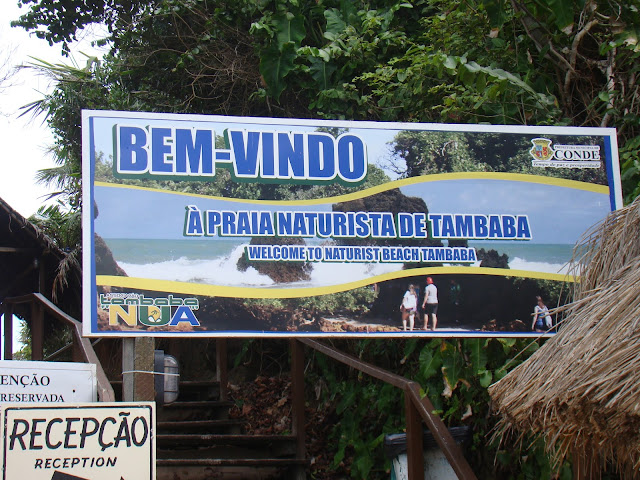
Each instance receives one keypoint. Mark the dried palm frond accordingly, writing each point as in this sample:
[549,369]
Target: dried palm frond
[581,389]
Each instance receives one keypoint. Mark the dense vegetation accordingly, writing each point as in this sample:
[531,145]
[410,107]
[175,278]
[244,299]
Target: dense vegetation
[480,61]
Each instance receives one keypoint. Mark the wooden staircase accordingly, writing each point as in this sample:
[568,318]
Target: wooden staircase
[197,440]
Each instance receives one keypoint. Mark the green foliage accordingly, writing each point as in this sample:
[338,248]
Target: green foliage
[454,374]
[523,62]
[63,227]
[352,301]
[59,23]
[426,153]
[630,163]
[24,353]
[277,59]
[54,340]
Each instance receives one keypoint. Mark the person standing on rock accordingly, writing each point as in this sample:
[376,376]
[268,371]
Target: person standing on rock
[430,305]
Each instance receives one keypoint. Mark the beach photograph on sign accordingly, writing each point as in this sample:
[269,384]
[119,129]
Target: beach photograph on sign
[227,226]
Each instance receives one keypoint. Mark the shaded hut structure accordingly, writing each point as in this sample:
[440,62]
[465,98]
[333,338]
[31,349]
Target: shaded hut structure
[580,392]
[30,262]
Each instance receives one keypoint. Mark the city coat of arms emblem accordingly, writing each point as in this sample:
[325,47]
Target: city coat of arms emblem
[541,149]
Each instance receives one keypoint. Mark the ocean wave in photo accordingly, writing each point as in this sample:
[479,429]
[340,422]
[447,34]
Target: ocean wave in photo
[223,270]
[216,263]
[521,264]
[218,271]
[326,273]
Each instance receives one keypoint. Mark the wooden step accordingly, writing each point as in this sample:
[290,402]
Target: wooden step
[229,445]
[199,404]
[186,384]
[231,469]
[189,384]
[194,410]
[197,424]
[223,462]
[230,439]
[198,390]
[226,473]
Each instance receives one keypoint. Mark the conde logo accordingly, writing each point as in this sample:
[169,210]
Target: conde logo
[564,156]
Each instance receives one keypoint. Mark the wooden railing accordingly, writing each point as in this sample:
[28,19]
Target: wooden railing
[418,409]
[82,348]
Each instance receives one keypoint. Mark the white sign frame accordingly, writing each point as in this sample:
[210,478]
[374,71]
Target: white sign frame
[47,382]
[99,441]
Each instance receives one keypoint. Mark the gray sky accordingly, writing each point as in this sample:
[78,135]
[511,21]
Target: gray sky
[25,141]
[556,214]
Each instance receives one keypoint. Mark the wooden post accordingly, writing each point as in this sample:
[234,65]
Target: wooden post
[8,331]
[128,355]
[222,370]
[42,276]
[76,352]
[297,392]
[137,369]
[37,331]
[144,385]
[415,455]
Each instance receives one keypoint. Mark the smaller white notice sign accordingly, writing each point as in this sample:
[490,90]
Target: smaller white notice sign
[100,441]
[47,382]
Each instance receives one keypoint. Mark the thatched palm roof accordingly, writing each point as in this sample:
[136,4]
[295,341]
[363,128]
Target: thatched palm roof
[29,262]
[581,390]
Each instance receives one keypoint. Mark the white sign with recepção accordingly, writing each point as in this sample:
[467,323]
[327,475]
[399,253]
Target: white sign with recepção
[99,441]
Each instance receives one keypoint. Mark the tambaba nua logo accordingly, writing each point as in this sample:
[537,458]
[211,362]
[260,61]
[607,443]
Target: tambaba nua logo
[564,156]
[132,309]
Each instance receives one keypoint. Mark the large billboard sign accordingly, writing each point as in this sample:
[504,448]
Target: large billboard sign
[99,441]
[230,226]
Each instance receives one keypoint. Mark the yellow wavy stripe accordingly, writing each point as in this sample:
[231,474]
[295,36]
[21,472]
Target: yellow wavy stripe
[187,288]
[514,177]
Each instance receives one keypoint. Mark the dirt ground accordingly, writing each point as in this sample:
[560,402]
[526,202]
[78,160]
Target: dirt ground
[265,405]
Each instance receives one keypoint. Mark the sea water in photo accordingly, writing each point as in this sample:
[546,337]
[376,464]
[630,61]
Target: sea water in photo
[216,262]
[545,258]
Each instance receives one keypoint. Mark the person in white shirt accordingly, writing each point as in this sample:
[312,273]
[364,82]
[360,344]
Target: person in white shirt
[430,304]
[542,321]
[408,307]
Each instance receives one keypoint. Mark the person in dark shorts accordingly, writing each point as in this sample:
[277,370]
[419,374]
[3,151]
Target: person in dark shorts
[430,305]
